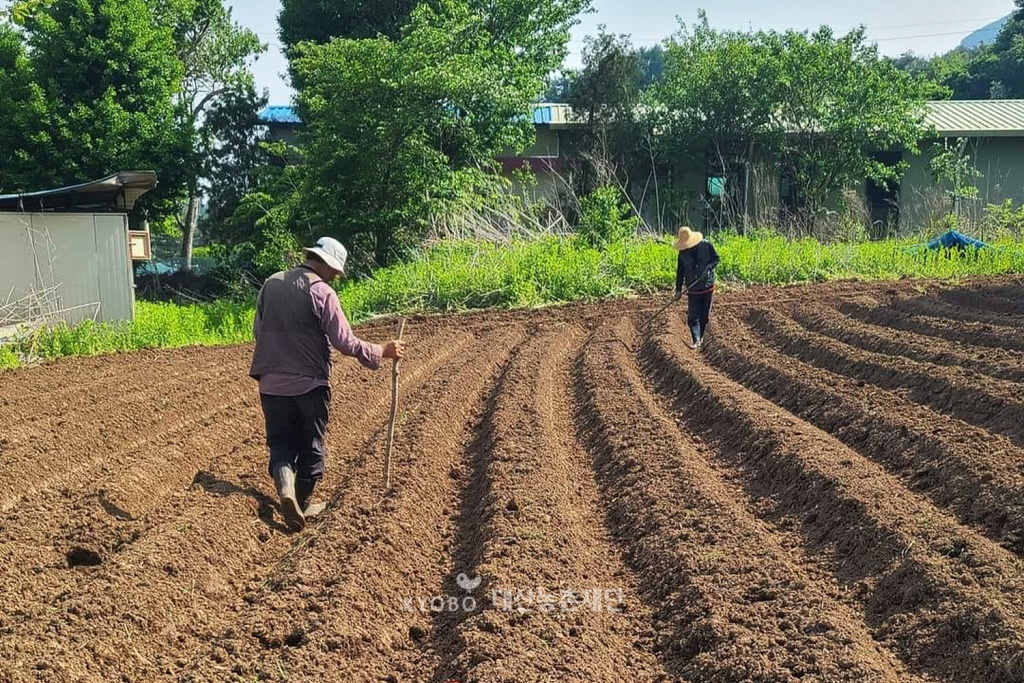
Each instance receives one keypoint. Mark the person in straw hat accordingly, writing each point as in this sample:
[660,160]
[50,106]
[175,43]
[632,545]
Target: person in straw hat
[298,319]
[695,274]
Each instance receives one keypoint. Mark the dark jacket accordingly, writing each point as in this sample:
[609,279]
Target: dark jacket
[695,268]
[289,337]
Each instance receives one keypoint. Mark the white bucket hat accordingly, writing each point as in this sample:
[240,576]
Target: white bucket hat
[331,251]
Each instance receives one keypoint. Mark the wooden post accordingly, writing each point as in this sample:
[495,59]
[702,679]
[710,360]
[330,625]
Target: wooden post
[394,413]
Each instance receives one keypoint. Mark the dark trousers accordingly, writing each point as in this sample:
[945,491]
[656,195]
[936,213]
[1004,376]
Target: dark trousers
[698,314]
[296,430]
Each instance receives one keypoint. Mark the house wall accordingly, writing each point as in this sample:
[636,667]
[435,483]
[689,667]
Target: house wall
[1000,161]
[547,143]
[84,257]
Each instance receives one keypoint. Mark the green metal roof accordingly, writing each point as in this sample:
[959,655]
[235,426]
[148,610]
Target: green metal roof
[977,118]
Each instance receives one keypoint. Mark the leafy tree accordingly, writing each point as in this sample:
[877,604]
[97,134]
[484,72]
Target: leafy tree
[99,76]
[841,105]
[719,98]
[652,65]
[215,52]
[20,107]
[319,21]
[1003,65]
[376,172]
[825,106]
[435,108]
[605,95]
[238,157]
[557,88]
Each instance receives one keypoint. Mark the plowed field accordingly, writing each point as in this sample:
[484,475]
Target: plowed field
[831,490]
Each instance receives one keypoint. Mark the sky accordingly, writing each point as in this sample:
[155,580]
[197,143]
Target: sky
[925,27]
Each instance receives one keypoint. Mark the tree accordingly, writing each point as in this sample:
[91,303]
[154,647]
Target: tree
[652,65]
[824,106]
[842,105]
[605,95]
[99,76]
[319,21]
[238,155]
[435,108]
[214,52]
[718,99]
[20,107]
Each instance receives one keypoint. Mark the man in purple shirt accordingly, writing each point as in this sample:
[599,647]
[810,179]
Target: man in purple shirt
[298,319]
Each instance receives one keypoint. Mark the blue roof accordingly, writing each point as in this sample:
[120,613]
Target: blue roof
[279,114]
[543,114]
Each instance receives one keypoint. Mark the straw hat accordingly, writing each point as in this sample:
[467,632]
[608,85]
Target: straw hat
[687,239]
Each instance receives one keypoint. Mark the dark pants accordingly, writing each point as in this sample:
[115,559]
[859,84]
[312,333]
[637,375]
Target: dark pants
[296,429]
[698,314]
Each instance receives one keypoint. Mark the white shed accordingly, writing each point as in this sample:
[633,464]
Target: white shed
[65,254]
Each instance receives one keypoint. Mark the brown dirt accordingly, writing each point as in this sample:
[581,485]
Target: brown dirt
[831,491]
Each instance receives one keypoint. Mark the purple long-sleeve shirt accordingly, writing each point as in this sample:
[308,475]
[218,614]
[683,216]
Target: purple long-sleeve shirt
[339,333]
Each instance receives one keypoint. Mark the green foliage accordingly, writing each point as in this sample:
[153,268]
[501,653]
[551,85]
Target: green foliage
[319,21]
[605,218]
[823,105]
[214,51]
[20,103]
[462,275]
[92,94]
[8,358]
[993,71]
[239,158]
[862,104]
[612,145]
[157,325]
[1002,221]
[952,167]
[444,100]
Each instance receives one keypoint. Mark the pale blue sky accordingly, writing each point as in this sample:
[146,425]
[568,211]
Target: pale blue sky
[923,26]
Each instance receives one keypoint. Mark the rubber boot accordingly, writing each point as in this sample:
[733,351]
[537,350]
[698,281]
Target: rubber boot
[304,493]
[284,478]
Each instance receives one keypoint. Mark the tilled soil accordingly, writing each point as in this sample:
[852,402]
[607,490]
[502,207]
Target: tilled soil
[831,490]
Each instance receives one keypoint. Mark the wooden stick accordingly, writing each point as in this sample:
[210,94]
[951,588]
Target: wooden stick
[394,413]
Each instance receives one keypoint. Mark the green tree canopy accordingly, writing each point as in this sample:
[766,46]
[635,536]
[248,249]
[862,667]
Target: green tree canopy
[215,53]
[824,106]
[98,78]
[399,130]
[605,95]
[319,21]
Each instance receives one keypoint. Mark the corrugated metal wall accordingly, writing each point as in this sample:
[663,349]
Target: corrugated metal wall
[80,259]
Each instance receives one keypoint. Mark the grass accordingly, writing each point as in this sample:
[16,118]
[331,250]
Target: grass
[156,325]
[455,276]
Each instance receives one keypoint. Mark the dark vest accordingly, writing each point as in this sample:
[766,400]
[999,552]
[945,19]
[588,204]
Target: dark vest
[289,337]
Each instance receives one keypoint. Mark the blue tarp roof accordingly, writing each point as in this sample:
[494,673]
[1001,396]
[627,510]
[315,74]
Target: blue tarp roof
[955,240]
[279,114]
[543,114]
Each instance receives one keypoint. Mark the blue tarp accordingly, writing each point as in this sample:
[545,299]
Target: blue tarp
[955,239]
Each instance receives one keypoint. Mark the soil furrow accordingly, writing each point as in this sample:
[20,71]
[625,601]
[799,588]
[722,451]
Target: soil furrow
[95,419]
[945,599]
[141,538]
[179,552]
[966,313]
[556,601]
[373,554]
[986,299]
[822,319]
[730,605]
[977,475]
[976,399]
[979,335]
